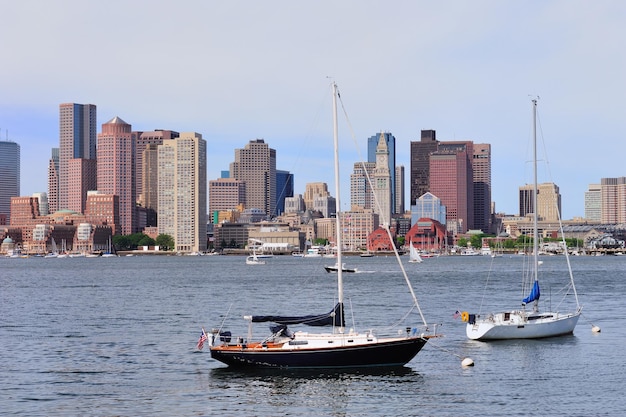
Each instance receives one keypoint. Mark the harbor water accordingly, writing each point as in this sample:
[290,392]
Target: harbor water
[117,337]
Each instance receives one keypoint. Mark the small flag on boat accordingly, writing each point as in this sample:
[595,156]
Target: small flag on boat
[456,314]
[202,339]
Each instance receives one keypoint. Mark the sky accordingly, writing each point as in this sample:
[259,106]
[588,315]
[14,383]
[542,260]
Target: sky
[236,71]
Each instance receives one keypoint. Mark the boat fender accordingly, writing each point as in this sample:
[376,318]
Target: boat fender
[465,316]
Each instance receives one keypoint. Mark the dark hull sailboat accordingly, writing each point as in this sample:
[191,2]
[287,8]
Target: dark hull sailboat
[351,354]
[337,348]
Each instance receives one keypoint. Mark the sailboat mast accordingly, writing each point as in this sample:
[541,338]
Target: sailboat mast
[535,205]
[337,191]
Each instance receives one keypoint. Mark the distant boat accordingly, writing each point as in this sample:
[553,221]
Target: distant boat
[55,251]
[334,268]
[414,255]
[254,260]
[340,348]
[110,253]
[519,323]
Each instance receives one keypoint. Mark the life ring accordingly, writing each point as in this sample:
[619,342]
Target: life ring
[465,316]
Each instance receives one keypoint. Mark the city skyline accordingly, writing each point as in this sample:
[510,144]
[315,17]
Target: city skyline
[259,72]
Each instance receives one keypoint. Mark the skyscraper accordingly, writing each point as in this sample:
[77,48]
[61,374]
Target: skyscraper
[148,140]
[256,165]
[481,171]
[372,145]
[613,197]
[548,201]
[284,189]
[183,191]
[53,181]
[77,154]
[593,203]
[9,177]
[382,179]
[116,170]
[449,172]
[420,164]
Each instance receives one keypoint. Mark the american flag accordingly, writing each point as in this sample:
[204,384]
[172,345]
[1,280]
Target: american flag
[202,339]
[455,315]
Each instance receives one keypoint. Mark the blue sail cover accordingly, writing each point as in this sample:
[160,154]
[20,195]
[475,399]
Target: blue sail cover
[333,318]
[534,294]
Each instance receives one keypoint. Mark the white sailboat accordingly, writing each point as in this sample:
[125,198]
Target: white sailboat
[339,348]
[414,255]
[520,323]
[55,251]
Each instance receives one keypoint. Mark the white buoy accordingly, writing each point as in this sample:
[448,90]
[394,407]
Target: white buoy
[595,329]
[467,362]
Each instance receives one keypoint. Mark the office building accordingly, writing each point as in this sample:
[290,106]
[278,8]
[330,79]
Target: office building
[613,200]
[593,203]
[77,154]
[313,190]
[361,190]
[182,191]
[420,163]
[53,181]
[548,201]
[284,189]
[256,166]
[9,177]
[481,173]
[451,181]
[116,170]
[148,141]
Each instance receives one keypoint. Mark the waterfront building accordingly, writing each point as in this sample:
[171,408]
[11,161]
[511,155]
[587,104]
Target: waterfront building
[356,226]
[77,154]
[103,208]
[428,206]
[115,173]
[183,191]
[256,166]
[9,177]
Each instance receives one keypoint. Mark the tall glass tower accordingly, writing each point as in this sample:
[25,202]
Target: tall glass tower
[9,176]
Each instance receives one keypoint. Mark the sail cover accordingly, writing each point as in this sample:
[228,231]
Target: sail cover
[334,317]
[534,294]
